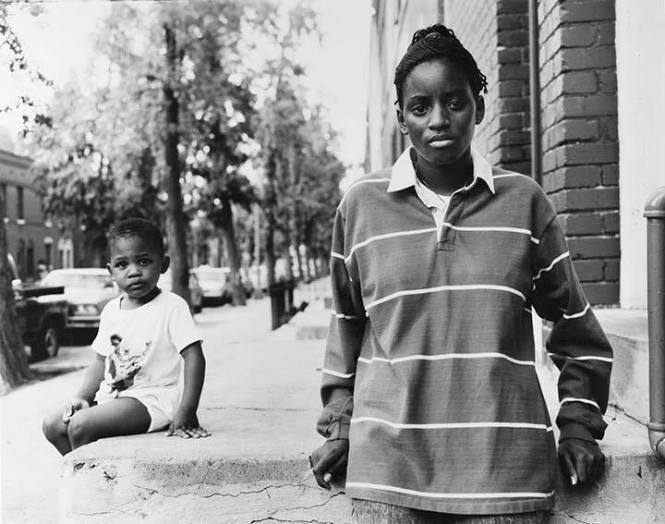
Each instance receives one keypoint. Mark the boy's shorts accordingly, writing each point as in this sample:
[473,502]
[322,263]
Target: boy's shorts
[161,403]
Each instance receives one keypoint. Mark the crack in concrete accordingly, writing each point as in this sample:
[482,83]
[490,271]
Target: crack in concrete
[573,517]
[304,508]
[265,489]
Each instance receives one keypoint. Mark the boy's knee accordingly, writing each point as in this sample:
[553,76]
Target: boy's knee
[53,427]
[80,432]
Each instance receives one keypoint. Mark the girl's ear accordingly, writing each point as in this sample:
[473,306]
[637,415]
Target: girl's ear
[400,121]
[166,261]
[480,109]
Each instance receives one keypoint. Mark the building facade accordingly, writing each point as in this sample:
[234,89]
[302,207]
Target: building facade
[34,242]
[599,63]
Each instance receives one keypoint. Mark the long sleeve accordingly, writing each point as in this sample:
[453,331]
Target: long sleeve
[576,344]
[347,325]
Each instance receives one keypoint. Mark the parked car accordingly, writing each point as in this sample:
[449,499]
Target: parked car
[41,322]
[195,291]
[87,290]
[215,284]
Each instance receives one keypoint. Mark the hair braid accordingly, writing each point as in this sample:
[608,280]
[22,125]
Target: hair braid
[438,41]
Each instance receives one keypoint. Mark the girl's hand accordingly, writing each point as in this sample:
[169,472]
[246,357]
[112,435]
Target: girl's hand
[186,425]
[72,407]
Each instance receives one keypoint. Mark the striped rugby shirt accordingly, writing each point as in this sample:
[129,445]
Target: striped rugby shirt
[432,339]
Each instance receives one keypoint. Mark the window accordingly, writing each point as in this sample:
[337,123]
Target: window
[19,203]
[3,191]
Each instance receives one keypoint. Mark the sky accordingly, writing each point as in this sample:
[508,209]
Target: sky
[58,41]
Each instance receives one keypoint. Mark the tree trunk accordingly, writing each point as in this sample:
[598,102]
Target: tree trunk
[228,232]
[270,222]
[176,223]
[308,273]
[13,362]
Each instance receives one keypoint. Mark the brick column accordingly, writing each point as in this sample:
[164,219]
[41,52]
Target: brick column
[580,146]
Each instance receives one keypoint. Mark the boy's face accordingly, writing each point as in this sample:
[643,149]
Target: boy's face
[439,111]
[135,265]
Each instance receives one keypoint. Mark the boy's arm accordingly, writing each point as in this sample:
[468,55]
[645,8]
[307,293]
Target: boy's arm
[185,422]
[93,376]
[86,393]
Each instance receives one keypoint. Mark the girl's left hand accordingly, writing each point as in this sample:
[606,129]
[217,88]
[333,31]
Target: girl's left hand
[186,425]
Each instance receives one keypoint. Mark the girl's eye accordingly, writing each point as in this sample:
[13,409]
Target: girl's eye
[121,265]
[456,104]
[419,109]
[145,261]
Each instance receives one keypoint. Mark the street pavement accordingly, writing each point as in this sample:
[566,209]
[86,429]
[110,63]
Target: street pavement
[31,468]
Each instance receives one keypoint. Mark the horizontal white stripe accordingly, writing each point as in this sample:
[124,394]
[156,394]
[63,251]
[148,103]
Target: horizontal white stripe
[361,182]
[535,240]
[577,315]
[602,359]
[345,317]
[337,373]
[548,268]
[447,356]
[582,400]
[469,287]
[389,235]
[453,425]
[507,175]
[337,255]
[395,489]
[482,228]
[527,310]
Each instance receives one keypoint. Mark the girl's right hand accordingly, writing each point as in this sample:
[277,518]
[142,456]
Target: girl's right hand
[72,407]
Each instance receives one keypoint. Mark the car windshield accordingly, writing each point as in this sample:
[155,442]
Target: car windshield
[82,280]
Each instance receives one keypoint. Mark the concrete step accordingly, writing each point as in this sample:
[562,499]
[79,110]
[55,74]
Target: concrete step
[313,323]
[627,333]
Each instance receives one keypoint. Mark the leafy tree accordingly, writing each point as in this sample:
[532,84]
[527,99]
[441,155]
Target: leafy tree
[13,362]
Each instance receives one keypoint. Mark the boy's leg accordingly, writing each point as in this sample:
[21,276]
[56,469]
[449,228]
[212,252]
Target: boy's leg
[120,416]
[55,430]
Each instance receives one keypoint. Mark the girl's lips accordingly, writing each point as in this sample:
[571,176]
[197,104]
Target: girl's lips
[441,142]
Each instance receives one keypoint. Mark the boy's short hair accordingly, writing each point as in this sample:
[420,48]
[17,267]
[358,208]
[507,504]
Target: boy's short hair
[138,227]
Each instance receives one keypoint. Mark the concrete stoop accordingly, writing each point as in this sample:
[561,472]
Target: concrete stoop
[631,489]
[177,491]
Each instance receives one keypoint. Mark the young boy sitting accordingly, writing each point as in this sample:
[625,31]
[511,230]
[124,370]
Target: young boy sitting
[134,385]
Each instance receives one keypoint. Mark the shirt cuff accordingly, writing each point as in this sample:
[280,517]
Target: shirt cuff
[338,430]
[577,431]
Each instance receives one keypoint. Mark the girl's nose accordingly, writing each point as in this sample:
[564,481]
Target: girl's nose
[439,117]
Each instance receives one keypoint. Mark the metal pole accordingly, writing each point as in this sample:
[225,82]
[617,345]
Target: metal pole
[654,211]
[534,92]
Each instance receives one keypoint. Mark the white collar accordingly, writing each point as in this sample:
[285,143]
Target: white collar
[403,173]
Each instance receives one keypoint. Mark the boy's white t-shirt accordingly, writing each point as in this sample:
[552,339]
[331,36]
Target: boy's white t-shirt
[142,345]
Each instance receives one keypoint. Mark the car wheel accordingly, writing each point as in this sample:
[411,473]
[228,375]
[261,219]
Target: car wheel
[47,344]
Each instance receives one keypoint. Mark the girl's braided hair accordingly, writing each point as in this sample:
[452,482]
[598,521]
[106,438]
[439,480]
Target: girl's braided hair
[437,41]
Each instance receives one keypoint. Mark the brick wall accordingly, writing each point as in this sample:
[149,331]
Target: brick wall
[580,146]
[496,34]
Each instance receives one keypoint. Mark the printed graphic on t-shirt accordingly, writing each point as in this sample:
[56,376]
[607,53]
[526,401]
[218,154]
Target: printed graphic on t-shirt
[123,363]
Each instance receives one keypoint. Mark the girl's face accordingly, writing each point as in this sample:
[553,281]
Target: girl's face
[439,112]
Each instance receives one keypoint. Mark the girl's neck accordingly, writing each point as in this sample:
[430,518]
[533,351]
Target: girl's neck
[447,179]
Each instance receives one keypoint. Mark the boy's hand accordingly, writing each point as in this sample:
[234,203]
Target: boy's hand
[581,460]
[329,461]
[72,407]
[186,425]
